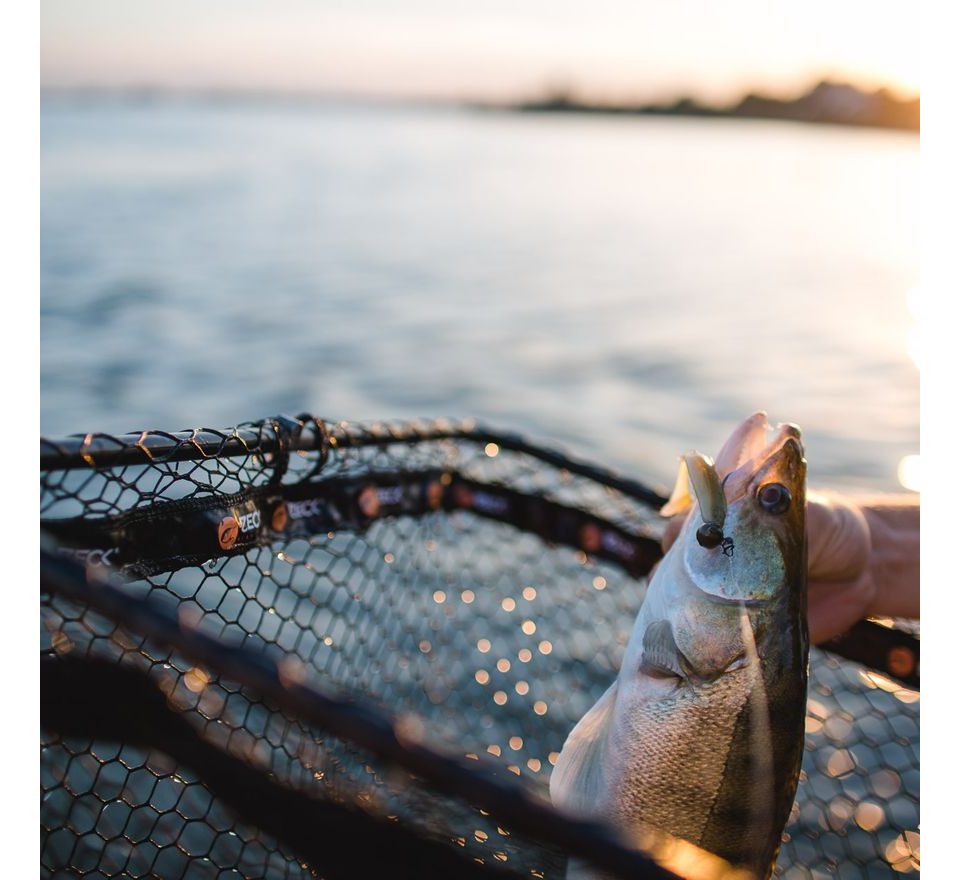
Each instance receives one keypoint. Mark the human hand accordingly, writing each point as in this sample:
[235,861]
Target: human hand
[841,587]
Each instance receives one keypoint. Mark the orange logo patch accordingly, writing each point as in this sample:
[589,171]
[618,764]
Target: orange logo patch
[278,522]
[900,661]
[590,537]
[228,531]
[369,502]
[462,495]
[434,495]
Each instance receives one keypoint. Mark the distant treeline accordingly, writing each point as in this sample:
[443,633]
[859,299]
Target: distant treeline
[830,103]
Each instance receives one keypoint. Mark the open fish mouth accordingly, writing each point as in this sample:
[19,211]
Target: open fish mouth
[749,448]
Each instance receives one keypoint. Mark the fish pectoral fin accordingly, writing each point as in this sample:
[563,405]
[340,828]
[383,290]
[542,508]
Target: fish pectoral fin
[738,662]
[577,779]
[661,657]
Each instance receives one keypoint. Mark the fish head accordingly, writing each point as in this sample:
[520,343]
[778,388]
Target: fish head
[743,539]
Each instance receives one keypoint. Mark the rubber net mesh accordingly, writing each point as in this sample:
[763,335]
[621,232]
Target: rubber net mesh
[492,639]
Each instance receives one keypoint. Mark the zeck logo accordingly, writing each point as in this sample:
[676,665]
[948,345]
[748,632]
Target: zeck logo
[390,494]
[231,527]
[250,521]
[487,503]
[90,557]
[304,509]
[615,544]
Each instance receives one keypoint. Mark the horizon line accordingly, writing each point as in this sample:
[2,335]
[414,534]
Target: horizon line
[548,91]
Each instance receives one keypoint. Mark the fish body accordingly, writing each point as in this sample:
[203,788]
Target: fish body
[701,734]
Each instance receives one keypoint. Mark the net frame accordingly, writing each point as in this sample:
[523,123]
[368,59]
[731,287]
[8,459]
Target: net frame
[106,499]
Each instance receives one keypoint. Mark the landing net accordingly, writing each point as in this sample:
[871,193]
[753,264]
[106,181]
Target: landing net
[295,649]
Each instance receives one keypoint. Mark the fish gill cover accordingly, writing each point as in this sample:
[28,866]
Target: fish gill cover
[367,645]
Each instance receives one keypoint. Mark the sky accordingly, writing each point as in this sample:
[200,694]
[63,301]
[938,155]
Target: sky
[496,49]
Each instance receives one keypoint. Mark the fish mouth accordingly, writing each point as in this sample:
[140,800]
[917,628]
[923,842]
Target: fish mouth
[745,443]
[749,451]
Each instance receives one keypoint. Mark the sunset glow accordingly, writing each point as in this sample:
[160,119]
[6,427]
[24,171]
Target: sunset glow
[611,49]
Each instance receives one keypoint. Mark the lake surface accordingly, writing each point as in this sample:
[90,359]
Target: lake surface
[624,288]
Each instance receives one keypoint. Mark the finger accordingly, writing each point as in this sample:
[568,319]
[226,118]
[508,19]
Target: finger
[838,539]
[832,608]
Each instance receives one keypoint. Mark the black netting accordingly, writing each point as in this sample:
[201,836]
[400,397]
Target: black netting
[477,589]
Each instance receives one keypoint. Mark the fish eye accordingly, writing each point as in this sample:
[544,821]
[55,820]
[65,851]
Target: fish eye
[774,497]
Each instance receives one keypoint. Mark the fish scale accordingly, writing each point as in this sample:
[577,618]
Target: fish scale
[674,778]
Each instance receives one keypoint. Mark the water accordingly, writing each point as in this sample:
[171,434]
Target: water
[623,288]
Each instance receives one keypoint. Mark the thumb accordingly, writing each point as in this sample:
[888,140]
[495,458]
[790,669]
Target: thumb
[838,538]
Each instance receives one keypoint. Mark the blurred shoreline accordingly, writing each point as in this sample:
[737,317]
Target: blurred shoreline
[827,103]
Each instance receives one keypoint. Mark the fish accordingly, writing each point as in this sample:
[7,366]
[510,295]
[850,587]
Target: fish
[701,734]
